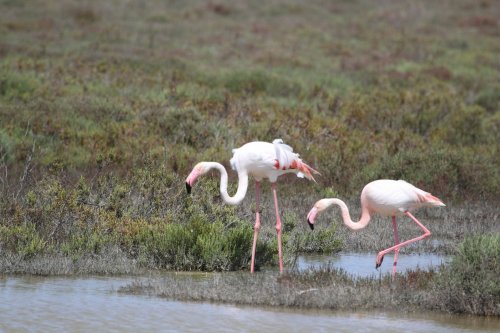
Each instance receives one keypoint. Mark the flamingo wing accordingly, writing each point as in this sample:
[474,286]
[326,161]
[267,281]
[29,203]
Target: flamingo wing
[286,159]
[284,155]
[269,160]
[389,197]
[257,158]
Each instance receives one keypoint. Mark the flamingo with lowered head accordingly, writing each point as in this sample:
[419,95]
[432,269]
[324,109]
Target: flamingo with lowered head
[387,198]
[259,160]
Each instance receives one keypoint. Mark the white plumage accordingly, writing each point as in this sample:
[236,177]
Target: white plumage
[268,160]
[393,197]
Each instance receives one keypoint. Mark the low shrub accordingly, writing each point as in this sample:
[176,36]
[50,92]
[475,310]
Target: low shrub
[258,82]
[322,241]
[16,86]
[7,147]
[22,240]
[469,284]
[225,248]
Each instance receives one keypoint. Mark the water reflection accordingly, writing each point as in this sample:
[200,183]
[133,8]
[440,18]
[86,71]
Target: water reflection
[92,304]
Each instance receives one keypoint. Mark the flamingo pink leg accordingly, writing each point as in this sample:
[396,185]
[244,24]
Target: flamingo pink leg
[256,228]
[278,226]
[396,242]
[427,233]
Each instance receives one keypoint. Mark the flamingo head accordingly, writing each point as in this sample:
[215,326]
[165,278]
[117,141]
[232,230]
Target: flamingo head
[199,170]
[319,206]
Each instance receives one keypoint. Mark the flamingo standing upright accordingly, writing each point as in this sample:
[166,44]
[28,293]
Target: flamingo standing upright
[260,160]
[387,198]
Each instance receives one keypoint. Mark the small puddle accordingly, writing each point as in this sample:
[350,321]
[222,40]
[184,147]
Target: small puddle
[363,264]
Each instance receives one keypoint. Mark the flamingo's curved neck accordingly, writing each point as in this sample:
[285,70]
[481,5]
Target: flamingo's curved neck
[362,223]
[242,184]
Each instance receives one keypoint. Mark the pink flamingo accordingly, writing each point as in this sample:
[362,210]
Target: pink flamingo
[260,160]
[387,198]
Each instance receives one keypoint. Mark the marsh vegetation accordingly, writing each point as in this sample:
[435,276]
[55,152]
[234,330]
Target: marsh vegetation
[105,107]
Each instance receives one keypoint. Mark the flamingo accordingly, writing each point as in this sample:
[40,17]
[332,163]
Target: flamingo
[259,160]
[387,198]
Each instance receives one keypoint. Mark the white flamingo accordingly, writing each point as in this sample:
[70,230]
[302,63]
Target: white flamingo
[259,160]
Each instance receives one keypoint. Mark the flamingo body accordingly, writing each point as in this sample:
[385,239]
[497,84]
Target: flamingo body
[268,160]
[387,198]
[259,160]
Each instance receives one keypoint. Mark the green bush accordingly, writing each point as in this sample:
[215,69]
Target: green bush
[464,126]
[225,248]
[259,82]
[434,169]
[470,283]
[181,126]
[321,241]
[23,240]
[489,98]
[7,146]
[16,86]
[88,243]
[170,245]
[197,245]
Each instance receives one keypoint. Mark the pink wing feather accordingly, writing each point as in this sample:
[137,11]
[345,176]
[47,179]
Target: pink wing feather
[286,159]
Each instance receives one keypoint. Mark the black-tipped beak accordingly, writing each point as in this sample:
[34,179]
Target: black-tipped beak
[188,188]
[310,224]
[377,265]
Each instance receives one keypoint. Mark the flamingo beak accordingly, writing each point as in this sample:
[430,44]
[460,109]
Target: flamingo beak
[310,225]
[191,179]
[311,217]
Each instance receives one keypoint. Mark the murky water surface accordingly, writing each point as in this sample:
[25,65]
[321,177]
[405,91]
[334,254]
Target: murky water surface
[92,304]
[363,264]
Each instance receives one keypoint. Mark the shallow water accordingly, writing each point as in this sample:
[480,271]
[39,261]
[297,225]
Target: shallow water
[363,264]
[91,304]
